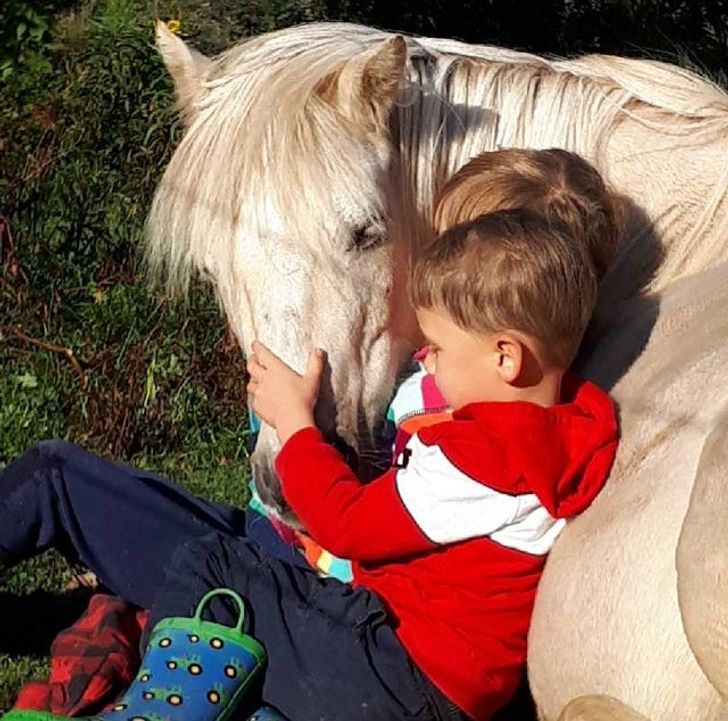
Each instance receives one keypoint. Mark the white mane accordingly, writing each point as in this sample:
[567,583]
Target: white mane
[259,130]
[539,103]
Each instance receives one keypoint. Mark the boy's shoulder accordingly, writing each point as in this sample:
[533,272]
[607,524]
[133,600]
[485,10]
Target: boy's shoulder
[467,447]
[457,431]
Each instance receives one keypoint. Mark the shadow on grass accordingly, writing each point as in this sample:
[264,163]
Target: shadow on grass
[29,623]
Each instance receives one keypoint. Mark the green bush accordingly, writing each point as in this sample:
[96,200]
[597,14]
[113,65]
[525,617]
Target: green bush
[87,351]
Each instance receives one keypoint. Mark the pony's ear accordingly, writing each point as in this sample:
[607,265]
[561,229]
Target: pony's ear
[365,88]
[186,66]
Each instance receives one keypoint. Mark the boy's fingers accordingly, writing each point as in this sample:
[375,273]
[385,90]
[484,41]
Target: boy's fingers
[263,359]
[315,369]
[264,355]
[315,366]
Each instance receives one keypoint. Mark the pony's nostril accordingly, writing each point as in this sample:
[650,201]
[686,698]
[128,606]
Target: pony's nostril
[268,487]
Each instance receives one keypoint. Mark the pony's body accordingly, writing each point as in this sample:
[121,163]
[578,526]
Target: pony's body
[608,618]
[305,183]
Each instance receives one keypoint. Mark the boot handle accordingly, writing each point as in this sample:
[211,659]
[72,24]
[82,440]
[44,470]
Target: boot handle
[222,592]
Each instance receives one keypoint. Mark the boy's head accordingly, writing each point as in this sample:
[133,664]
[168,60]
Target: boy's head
[560,185]
[504,301]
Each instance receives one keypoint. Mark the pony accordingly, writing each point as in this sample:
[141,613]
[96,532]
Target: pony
[302,188]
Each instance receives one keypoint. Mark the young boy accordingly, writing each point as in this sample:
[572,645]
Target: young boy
[447,546]
[561,186]
[342,651]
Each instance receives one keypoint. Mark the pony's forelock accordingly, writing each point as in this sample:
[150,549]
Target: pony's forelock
[262,142]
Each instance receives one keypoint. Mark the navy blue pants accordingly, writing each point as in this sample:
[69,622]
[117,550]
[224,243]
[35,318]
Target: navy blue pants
[333,654]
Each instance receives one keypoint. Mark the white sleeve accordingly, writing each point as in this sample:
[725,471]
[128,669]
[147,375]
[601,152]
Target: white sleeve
[449,506]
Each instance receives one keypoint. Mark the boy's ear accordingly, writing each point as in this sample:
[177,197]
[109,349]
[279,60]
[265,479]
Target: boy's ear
[510,357]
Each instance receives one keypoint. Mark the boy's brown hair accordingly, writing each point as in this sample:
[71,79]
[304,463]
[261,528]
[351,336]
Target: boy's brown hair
[511,270]
[560,185]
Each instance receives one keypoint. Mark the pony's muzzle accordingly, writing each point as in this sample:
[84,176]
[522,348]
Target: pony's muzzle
[268,484]
[268,487]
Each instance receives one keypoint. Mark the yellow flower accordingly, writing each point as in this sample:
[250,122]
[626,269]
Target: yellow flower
[174,26]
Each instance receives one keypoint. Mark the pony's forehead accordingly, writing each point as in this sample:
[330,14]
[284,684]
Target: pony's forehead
[279,156]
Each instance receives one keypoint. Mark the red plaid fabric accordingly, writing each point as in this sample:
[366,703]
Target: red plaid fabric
[92,662]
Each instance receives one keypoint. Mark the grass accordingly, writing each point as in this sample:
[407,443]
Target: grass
[155,391]
[87,351]
[150,386]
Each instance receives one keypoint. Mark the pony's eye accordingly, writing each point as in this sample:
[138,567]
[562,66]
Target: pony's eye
[367,236]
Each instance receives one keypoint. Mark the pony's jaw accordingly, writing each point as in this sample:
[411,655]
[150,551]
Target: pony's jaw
[363,359]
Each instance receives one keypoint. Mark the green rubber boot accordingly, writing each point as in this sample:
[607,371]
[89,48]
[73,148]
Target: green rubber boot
[192,669]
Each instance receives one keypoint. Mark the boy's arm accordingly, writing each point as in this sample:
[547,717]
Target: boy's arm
[361,522]
[404,512]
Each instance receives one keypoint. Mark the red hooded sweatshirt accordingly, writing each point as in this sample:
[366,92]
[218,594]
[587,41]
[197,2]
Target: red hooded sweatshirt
[454,538]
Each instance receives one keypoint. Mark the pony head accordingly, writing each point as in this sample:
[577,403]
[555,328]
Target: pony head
[279,193]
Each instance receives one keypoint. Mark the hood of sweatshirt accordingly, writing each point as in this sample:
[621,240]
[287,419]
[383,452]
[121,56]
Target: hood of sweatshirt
[562,453]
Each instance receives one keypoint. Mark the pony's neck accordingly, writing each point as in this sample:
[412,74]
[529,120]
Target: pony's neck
[459,105]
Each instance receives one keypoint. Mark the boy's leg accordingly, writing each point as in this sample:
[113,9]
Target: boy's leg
[121,522]
[332,653]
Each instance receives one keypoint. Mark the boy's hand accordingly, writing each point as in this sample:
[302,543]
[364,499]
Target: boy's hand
[281,397]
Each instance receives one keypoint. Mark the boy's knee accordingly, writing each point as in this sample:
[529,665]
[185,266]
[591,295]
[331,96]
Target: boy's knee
[52,449]
[218,557]
[59,455]
[36,461]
